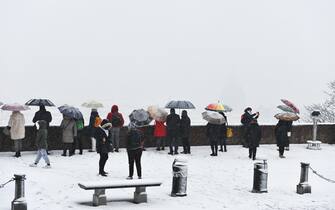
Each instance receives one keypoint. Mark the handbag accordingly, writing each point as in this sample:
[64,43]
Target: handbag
[230,132]
[6,131]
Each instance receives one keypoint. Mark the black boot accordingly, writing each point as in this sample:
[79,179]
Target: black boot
[225,148]
[64,153]
[212,148]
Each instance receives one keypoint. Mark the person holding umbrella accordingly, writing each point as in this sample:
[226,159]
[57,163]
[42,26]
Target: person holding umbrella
[185,129]
[69,132]
[246,119]
[282,133]
[16,125]
[173,126]
[42,114]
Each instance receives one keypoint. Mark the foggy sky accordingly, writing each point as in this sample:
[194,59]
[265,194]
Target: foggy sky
[138,53]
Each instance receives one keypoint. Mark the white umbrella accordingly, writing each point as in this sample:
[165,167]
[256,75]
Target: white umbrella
[93,104]
[157,113]
[213,117]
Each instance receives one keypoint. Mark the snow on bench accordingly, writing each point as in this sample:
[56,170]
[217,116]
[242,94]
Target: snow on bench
[99,187]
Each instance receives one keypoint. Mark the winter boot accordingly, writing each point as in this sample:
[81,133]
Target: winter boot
[64,153]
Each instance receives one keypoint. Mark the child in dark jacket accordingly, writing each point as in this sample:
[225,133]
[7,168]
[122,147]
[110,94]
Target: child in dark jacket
[134,145]
[41,144]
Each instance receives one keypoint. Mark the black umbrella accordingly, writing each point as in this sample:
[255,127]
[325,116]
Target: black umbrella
[180,105]
[39,102]
[140,118]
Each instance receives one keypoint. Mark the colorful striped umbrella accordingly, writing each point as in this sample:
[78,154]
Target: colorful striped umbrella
[218,107]
[290,104]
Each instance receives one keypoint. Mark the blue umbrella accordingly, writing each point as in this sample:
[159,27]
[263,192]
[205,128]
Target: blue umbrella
[71,112]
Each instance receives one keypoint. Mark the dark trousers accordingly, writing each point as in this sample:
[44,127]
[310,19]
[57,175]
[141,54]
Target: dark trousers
[186,145]
[67,146]
[214,146]
[78,143]
[173,142]
[223,144]
[135,156]
[281,150]
[102,162]
[252,152]
[160,142]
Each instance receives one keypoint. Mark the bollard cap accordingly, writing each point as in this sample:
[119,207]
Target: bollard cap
[19,176]
[179,161]
[304,164]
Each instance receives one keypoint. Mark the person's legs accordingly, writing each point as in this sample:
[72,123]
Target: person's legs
[93,143]
[102,162]
[250,152]
[225,144]
[80,142]
[187,144]
[175,143]
[138,156]
[254,153]
[170,139]
[281,151]
[212,147]
[117,138]
[38,158]
[158,143]
[131,159]
[45,156]
[221,144]
[216,148]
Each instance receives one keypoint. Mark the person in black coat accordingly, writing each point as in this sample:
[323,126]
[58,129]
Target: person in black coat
[213,133]
[223,134]
[282,130]
[246,118]
[185,128]
[42,114]
[173,126]
[102,145]
[254,135]
[134,144]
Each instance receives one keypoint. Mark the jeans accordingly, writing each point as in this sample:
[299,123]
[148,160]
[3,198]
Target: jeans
[115,138]
[42,153]
[135,156]
[18,145]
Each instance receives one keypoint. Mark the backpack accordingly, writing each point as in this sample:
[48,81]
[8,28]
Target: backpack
[244,120]
[80,124]
[116,120]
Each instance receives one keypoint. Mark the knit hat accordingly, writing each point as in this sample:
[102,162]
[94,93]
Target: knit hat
[105,124]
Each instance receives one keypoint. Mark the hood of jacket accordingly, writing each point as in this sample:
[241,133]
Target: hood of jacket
[115,109]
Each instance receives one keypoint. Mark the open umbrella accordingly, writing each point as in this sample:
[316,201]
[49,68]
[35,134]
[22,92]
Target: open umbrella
[213,117]
[39,102]
[71,112]
[180,105]
[290,104]
[157,113]
[218,107]
[15,107]
[140,118]
[286,108]
[287,116]
[93,104]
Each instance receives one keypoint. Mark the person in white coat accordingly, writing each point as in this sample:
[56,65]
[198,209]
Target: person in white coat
[16,125]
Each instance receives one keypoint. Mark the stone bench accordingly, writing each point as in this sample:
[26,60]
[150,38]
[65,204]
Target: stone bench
[99,187]
[316,145]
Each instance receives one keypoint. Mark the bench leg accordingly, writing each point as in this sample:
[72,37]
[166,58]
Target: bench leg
[140,195]
[99,197]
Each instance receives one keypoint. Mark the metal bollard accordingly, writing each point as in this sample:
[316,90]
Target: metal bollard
[303,187]
[179,181]
[19,202]
[260,177]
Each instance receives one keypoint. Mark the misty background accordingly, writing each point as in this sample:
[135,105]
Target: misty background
[140,53]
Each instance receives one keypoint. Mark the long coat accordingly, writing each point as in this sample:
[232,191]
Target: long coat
[213,132]
[281,130]
[103,145]
[185,127]
[254,135]
[41,136]
[173,125]
[16,124]
[69,129]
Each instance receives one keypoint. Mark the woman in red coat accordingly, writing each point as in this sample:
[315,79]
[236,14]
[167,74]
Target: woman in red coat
[160,134]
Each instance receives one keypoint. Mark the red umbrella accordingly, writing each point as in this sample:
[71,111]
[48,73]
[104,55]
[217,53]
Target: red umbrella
[290,104]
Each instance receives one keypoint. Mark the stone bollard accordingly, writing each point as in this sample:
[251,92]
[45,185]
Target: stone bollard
[303,187]
[179,182]
[260,178]
[19,202]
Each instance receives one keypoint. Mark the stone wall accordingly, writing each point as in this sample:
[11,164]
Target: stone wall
[300,133]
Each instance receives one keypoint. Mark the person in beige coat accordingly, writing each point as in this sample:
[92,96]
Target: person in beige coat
[69,130]
[17,130]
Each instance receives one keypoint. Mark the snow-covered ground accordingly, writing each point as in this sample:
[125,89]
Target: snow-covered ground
[222,182]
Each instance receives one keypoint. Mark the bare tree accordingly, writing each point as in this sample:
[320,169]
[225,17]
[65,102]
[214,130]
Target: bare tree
[326,108]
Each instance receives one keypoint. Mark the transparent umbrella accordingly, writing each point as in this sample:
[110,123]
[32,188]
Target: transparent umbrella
[15,107]
[157,113]
[93,104]
[213,117]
